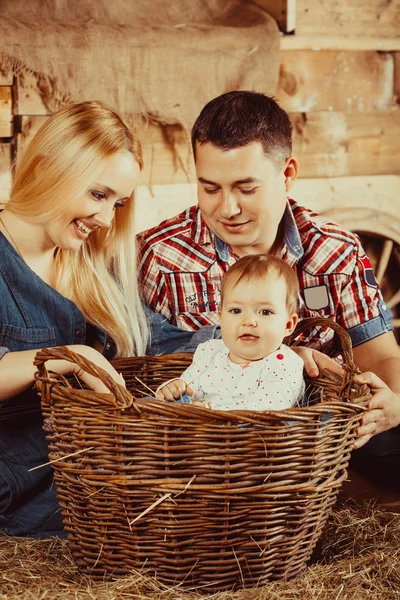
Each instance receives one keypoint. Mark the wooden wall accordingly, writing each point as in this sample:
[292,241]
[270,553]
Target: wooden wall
[339,81]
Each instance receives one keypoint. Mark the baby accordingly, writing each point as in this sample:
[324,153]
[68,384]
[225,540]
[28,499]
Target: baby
[249,368]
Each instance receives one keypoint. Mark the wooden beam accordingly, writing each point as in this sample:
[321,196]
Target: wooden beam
[316,41]
[6,125]
[379,192]
[396,78]
[283,11]
[330,144]
[5,172]
[325,80]
[358,17]
[327,144]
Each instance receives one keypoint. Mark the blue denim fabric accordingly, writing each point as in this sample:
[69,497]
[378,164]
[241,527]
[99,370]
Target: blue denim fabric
[167,338]
[32,316]
[373,328]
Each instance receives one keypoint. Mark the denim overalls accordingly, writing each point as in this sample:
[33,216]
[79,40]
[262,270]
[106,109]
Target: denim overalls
[32,315]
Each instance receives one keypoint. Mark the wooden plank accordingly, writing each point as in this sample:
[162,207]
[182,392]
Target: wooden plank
[167,155]
[324,80]
[162,165]
[332,144]
[5,172]
[283,11]
[28,127]
[339,42]
[6,124]
[396,78]
[358,17]
[327,144]
[379,192]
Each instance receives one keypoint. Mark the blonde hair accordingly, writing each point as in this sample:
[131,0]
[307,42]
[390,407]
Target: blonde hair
[259,266]
[62,161]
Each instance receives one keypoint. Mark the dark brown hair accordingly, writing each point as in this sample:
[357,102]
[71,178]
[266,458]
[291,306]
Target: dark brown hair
[239,118]
[255,267]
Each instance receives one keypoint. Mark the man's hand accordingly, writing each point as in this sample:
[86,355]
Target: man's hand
[315,360]
[383,409]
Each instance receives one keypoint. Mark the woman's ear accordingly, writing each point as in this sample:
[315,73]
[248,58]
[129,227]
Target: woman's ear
[291,324]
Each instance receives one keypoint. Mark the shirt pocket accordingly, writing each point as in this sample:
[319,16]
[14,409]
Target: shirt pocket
[194,320]
[27,338]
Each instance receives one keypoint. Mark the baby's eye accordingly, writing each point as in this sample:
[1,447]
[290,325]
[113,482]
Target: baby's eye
[265,312]
[235,311]
[98,195]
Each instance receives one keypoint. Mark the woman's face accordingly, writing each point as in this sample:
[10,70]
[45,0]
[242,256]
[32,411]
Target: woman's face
[96,209]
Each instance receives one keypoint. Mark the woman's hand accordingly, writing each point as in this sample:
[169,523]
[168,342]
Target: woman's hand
[315,360]
[63,367]
[173,390]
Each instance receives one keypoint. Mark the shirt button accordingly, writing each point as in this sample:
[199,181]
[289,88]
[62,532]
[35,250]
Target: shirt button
[296,247]
[108,346]
[384,307]
[80,333]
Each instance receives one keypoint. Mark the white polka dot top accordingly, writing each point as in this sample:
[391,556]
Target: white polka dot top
[272,383]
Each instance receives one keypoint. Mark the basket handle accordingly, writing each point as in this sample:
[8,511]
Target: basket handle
[122,398]
[345,339]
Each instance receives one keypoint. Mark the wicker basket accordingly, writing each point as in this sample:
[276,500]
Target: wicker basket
[196,497]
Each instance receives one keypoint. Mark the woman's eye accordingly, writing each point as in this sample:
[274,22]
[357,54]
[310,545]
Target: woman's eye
[211,190]
[119,204]
[98,195]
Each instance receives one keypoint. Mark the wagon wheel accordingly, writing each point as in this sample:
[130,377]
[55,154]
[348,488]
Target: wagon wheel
[379,233]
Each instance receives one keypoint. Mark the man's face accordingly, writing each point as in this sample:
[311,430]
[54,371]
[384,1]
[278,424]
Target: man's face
[242,195]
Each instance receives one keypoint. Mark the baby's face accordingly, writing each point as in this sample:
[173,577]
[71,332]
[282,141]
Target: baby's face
[254,318]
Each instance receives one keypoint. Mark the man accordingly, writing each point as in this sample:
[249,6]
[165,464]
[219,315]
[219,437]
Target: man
[245,168]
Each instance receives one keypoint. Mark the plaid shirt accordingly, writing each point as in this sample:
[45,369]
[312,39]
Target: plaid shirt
[182,263]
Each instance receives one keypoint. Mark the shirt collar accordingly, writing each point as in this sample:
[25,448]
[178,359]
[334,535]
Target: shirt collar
[292,242]
[291,236]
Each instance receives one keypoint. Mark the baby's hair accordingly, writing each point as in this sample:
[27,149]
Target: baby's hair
[255,267]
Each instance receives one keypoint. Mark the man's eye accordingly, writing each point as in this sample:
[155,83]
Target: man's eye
[248,192]
[211,190]
[98,195]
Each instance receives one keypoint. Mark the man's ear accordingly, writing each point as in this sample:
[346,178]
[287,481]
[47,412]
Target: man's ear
[291,171]
[291,324]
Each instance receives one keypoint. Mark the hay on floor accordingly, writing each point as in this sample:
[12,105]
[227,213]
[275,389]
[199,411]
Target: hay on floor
[358,557]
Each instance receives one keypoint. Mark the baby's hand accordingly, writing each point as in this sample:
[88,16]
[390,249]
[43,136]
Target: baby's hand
[173,390]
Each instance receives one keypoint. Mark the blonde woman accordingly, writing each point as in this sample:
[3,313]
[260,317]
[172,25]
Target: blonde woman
[67,277]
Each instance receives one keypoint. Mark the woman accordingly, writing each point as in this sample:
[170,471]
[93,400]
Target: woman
[67,255]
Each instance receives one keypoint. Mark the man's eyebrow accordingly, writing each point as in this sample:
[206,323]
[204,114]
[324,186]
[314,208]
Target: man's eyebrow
[238,182]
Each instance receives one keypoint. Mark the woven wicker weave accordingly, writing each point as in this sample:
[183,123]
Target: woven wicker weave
[196,497]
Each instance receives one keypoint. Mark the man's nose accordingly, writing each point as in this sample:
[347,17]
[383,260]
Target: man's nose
[230,207]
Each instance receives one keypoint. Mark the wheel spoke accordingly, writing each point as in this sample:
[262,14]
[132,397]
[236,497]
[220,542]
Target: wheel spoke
[395,299]
[384,260]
